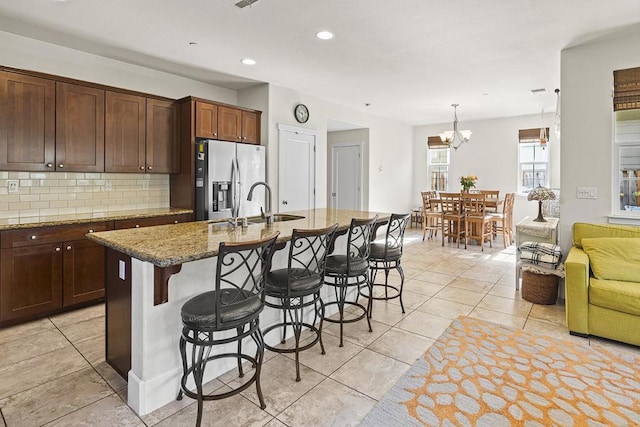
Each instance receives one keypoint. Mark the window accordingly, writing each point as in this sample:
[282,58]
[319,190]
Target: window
[533,164]
[437,164]
[626,147]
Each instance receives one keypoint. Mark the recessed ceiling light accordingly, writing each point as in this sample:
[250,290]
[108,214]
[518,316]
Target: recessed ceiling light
[324,35]
[248,61]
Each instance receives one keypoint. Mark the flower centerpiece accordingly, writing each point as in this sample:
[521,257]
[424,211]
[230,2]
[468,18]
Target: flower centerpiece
[468,181]
[541,194]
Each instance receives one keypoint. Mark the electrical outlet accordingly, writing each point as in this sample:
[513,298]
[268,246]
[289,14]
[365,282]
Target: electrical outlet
[13,186]
[145,184]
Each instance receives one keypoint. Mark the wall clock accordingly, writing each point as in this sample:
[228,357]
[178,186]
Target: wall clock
[302,113]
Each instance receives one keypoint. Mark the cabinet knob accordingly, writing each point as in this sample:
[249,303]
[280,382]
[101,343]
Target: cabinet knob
[137,225]
[141,168]
[49,165]
[60,165]
[149,167]
[244,137]
[215,134]
[175,222]
[91,230]
[239,137]
[69,247]
[34,237]
[58,249]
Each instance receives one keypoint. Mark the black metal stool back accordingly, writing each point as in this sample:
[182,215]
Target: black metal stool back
[385,255]
[303,277]
[236,303]
[349,270]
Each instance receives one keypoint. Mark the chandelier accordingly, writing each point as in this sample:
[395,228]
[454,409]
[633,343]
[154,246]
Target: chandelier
[456,137]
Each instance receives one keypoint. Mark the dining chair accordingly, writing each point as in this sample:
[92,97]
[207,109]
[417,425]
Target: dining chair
[492,196]
[503,222]
[478,222]
[451,217]
[431,214]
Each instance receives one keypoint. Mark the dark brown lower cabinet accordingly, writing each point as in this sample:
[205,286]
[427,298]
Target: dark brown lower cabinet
[118,311]
[31,281]
[83,272]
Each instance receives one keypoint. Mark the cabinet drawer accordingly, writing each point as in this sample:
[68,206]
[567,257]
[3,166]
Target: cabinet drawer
[148,222]
[52,234]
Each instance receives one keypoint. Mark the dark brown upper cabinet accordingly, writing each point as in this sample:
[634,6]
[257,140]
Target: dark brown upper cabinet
[125,133]
[162,149]
[79,128]
[27,123]
[206,120]
[229,124]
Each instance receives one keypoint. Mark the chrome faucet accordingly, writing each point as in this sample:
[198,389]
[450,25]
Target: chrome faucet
[268,214]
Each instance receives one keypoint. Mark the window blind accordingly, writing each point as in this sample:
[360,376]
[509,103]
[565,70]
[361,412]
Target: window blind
[626,89]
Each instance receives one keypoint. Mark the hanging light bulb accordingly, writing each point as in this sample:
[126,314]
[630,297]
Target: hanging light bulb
[544,137]
[556,120]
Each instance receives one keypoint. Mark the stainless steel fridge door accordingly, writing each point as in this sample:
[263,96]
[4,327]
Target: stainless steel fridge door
[221,157]
[252,168]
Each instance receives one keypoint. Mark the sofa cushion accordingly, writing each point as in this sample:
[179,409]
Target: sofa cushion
[615,295]
[614,258]
[583,230]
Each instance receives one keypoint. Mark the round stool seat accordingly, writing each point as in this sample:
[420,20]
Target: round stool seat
[298,281]
[201,310]
[337,264]
[378,252]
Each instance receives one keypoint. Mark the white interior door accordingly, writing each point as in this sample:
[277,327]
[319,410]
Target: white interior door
[346,176]
[297,170]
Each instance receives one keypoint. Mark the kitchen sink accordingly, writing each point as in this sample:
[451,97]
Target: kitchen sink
[276,218]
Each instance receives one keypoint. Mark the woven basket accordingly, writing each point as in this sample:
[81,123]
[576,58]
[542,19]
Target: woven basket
[539,288]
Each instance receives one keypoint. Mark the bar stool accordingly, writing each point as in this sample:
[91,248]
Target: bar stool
[303,278]
[385,255]
[351,270]
[236,303]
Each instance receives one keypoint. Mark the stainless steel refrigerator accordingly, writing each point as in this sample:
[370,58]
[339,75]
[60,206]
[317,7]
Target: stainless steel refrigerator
[224,173]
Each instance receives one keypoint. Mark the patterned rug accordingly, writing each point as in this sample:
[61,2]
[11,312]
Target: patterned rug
[483,374]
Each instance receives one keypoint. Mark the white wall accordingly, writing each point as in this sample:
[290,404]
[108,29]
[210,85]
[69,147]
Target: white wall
[390,148]
[29,54]
[491,154]
[587,125]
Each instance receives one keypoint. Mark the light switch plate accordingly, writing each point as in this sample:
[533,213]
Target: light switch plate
[587,193]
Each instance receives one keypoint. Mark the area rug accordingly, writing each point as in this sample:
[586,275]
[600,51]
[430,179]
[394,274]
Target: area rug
[483,374]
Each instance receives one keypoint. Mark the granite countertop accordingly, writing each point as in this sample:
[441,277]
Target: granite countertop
[49,220]
[168,245]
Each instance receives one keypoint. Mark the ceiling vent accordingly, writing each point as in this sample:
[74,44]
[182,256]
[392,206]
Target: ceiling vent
[245,3]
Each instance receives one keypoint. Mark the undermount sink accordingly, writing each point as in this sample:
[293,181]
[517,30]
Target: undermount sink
[275,217]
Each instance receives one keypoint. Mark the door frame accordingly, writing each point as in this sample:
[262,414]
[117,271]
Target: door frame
[301,131]
[360,145]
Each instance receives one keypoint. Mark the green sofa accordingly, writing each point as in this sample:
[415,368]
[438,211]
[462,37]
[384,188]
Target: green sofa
[603,282]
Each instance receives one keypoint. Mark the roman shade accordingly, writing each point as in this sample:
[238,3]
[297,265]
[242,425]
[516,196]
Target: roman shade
[626,89]
[436,142]
[530,135]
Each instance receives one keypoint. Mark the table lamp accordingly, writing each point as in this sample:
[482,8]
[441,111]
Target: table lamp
[541,194]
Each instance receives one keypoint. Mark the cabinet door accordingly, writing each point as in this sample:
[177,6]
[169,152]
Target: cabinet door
[206,120]
[83,271]
[79,128]
[163,154]
[31,281]
[124,133]
[250,127]
[27,123]
[229,124]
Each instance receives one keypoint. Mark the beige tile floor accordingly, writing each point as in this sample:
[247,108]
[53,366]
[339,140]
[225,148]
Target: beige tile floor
[53,373]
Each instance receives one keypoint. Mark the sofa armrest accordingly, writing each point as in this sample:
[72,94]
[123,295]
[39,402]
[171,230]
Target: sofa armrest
[577,291]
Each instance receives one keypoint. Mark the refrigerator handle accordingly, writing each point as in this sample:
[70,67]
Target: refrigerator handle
[233,189]
[239,187]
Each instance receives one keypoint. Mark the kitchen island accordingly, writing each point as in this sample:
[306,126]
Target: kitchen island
[151,272]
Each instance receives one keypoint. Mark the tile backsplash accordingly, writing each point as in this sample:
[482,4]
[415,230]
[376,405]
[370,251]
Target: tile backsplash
[62,193]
